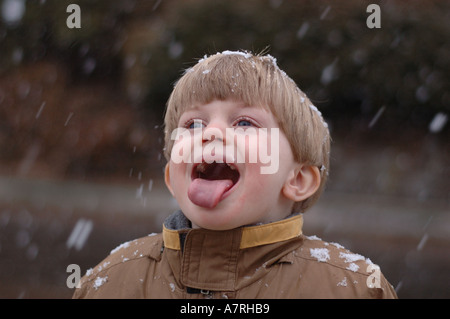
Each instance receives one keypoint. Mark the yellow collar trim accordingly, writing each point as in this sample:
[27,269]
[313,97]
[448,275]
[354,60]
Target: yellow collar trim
[252,236]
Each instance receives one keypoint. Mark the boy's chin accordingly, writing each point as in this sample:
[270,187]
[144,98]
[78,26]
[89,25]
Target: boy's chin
[212,219]
[213,225]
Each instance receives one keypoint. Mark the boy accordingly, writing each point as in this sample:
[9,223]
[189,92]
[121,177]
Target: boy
[247,154]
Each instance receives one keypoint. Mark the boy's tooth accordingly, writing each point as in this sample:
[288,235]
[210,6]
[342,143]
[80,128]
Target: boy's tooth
[229,165]
[201,167]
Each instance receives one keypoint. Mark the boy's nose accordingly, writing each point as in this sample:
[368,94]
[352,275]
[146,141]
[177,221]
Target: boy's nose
[215,130]
[212,133]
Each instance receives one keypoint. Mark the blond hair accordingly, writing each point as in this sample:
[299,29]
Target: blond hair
[255,80]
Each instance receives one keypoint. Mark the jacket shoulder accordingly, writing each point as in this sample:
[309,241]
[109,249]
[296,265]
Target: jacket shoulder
[334,254]
[340,268]
[146,248]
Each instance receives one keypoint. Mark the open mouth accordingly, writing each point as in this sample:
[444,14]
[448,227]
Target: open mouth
[211,183]
[216,171]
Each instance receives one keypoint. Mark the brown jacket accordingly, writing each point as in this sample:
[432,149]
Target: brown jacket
[265,261]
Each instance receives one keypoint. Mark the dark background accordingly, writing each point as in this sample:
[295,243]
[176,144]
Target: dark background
[81,126]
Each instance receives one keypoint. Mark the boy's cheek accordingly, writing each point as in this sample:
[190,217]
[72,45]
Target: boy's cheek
[247,150]
[177,174]
[262,152]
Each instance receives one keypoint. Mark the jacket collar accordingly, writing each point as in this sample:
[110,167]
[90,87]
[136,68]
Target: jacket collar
[226,260]
[251,236]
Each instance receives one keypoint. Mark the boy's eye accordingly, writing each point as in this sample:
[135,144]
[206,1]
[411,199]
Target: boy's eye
[194,124]
[244,122]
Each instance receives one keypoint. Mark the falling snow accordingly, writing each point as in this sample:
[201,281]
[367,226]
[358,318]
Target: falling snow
[422,242]
[80,234]
[377,116]
[329,73]
[438,122]
[13,11]
[302,30]
[41,108]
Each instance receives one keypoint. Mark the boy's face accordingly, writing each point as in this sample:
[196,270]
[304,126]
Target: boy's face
[229,165]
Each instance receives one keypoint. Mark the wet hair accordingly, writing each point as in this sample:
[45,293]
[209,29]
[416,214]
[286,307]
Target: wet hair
[255,80]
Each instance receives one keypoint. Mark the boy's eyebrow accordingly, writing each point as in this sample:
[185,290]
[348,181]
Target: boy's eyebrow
[196,106]
[193,106]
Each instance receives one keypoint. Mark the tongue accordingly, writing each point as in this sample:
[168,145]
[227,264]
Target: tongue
[207,193]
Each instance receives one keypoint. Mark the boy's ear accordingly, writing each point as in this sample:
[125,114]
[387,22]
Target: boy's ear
[167,178]
[302,183]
